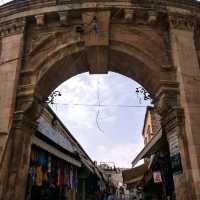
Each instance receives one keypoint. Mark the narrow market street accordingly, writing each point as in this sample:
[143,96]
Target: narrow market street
[59,166]
[61,169]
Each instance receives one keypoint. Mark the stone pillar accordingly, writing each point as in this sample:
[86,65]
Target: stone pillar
[21,138]
[172,127]
[11,46]
[172,122]
[197,39]
[185,60]
[16,162]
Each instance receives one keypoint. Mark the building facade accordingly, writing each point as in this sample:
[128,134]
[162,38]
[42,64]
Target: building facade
[156,181]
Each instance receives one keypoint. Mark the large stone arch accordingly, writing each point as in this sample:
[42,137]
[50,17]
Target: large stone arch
[44,43]
[130,51]
[67,66]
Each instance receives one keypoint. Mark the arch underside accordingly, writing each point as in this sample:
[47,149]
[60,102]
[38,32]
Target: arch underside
[77,63]
[133,53]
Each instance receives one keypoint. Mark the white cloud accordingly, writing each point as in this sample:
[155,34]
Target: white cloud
[121,138]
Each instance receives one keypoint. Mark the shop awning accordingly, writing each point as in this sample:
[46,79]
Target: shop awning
[89,165]
[152,147]
[134,180]
[49,148]
[86,163]
[134,175]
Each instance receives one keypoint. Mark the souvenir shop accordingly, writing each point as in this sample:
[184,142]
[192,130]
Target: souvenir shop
[50,178]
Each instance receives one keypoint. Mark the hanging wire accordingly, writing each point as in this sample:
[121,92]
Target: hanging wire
[98,105]
[102,105]
[98,111]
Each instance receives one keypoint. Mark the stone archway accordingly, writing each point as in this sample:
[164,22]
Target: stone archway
[45,43]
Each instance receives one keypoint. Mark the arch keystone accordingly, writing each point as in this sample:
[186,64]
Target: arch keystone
[63,18]
[96,37]
[40,20]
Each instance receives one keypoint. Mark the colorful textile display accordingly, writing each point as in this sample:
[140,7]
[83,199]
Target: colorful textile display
[39,176]
[49,173]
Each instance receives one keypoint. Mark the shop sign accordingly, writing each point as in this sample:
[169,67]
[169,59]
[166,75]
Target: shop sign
[51,133]
[176,164]
[157,177]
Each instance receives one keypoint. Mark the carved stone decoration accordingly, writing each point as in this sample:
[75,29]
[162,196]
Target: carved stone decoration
[12,27]
[182,22]
[167,97]
[40,20]
[152,18]
[63,18]
[40,40]
[30,107]
[96,37]
[128,14]
[168,65]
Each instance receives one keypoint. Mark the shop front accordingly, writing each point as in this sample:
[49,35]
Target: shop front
[50,177]
[157,182]
[59,168]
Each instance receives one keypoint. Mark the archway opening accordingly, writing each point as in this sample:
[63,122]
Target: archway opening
[69,61]
[106,115]
[115,126]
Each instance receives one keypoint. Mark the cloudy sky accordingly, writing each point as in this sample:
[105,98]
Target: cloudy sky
[118,137]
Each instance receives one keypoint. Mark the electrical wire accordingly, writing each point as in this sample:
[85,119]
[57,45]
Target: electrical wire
[98,111]
[101,105]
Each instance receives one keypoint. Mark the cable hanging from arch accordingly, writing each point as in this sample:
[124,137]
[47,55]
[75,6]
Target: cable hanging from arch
[98,111]
[101,105]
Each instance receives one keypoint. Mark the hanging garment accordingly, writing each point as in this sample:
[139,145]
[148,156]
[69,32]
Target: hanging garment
[45,176]
[49,164]
[54,171]
[66,177]
[39,176]
[75,180]
[32,173]
[33,156]
[36,157]
[58,165]
[42,158]
[62,173]
[71,177]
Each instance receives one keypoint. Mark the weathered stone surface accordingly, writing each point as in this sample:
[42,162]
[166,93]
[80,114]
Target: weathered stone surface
[186,61]
[9,71]
[154,46]
[96,27]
